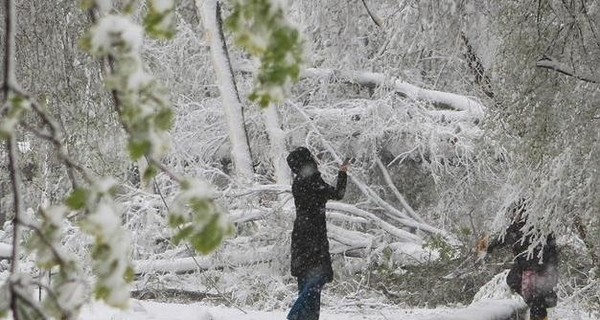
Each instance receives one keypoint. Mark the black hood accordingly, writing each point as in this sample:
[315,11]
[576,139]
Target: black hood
[299,158]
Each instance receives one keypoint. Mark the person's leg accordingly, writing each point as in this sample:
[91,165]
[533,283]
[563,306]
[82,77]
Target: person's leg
[308,304]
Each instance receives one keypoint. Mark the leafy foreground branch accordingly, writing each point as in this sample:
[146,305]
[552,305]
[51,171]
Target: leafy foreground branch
[146,116]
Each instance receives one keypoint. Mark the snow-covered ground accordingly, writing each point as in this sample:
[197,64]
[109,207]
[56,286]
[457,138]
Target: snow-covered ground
[148,310]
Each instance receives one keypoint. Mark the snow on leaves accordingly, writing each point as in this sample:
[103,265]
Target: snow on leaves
[260,27]
[141,102]
[160,19]
[111,251]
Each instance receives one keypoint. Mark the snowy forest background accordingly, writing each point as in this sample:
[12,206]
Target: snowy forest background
[451,109]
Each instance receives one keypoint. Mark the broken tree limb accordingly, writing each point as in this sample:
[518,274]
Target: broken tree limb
[386,176]
[372,80]
[399,233]
[237,258]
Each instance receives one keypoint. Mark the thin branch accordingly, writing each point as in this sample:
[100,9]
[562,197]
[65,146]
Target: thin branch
[55,137]
[547,62]
[399,196]
[17,207]
[9,39]
[11,146]
[372,15]
[47,242]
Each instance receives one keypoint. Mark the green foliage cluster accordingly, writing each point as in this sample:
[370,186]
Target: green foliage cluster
[18,105]
[260,27]
[198,219]
[159,21]
[142,104]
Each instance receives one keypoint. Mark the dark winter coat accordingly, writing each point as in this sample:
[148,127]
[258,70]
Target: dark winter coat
[515,238]
[310,246]
[539,293]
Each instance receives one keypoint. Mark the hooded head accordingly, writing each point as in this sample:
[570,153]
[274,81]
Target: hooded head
[301,158]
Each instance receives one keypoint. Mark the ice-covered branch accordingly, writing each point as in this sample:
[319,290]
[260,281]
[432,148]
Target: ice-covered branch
[277,144]
[547,62]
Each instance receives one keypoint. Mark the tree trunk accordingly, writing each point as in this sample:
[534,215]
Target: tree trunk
[213,27]
[277,140]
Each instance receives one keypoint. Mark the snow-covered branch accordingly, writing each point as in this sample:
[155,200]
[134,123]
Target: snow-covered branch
[445,100]
[373,80]
[399,233]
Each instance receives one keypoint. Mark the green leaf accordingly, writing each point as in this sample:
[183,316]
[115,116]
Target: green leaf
[139,148]
[87,4]
[150,172]
[209,238]
[154,24]
[129,274]
[176,220]
[164,119]
[78,199]
[101,292]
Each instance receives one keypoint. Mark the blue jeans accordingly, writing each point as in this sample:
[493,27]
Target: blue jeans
[308,304]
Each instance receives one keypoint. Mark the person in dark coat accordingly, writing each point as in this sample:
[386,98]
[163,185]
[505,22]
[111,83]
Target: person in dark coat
[311,261]
[533,278]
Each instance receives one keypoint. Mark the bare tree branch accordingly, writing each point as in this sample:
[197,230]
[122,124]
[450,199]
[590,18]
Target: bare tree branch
[547,62]
[372,15]
[11,146]
[399,196]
